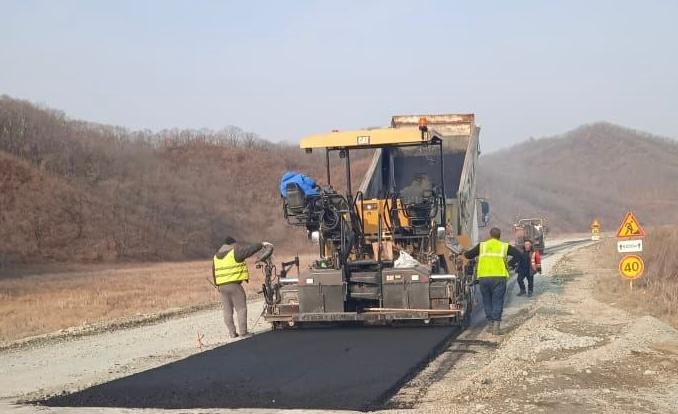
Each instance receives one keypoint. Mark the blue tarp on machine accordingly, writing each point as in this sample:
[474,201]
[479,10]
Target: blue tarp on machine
[306,183]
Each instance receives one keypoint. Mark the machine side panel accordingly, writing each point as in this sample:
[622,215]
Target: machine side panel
[322,291]
[406,288]
[466,195]
[321,299]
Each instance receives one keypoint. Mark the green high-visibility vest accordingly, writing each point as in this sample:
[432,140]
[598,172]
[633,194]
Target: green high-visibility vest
[228,270]
[492,259]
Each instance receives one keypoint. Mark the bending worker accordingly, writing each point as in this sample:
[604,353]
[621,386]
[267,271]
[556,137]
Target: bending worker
[230,270]
[492,273]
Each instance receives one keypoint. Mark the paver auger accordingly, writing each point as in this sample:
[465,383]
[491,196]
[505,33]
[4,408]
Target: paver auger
[390,251]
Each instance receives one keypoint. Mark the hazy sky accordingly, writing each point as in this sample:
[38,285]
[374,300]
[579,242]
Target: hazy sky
[289,68]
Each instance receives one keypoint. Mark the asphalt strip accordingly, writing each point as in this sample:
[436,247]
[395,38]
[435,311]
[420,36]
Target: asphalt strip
[341,368]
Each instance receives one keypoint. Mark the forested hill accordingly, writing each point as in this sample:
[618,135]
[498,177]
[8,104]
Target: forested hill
[598,170]
[78,191]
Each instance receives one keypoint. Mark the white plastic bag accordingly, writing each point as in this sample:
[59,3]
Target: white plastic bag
[405,260]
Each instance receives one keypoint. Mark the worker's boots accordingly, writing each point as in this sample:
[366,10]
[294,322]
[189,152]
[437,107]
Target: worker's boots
[496,327]
[521,293]
[492,327]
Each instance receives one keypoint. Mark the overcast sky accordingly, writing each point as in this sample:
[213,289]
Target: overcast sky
[288,68]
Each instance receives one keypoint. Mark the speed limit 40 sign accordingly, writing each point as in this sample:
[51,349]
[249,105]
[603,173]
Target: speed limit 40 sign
[631,266]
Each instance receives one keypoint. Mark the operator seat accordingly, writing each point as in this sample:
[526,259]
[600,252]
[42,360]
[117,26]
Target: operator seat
[420,210]
[295,202]
[299,208]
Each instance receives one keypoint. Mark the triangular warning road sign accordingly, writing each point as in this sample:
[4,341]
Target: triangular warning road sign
[630,227]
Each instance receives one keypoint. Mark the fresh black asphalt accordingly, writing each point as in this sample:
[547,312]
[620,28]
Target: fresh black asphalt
[349,368]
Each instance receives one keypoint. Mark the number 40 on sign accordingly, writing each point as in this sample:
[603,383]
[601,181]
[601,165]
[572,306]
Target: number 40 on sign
[631,266]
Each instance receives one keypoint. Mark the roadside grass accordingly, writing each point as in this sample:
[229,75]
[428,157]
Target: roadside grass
[656,292]
[35,304]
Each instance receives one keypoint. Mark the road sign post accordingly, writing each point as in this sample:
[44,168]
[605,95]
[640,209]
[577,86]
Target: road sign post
[630,227]
[629,240]
[631,266]
[629,246]
[595,230]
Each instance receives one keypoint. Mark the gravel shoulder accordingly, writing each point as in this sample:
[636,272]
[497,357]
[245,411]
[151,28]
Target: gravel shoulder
[70,364]
[562,351]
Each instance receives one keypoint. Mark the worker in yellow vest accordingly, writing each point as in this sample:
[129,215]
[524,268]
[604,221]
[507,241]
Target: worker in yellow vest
[492,273]
[229,271]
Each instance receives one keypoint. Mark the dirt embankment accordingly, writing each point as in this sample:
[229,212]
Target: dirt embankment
[564,351]
[37,304]
[656,292]
[92,298]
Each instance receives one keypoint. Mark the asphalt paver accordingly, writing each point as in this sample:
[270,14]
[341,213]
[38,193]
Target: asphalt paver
[349,368]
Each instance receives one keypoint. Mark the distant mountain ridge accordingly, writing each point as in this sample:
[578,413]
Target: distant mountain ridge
[77,191]
[598,170]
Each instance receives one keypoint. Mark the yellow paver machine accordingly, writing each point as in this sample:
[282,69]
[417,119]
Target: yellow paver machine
[390,251]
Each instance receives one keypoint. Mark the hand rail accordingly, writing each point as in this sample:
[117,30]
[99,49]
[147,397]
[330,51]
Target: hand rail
[360,217]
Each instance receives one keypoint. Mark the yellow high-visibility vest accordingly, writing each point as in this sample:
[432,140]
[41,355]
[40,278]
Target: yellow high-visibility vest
[492,259]
[228,270]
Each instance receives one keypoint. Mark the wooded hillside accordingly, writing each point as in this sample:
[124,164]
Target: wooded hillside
[599,170]
[77,191]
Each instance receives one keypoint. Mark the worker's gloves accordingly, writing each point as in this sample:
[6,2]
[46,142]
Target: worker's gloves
[265,252]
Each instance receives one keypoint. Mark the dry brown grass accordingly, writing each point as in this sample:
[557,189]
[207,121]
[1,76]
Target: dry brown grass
[661,278]
[36,304]
[656,292]
[43,302]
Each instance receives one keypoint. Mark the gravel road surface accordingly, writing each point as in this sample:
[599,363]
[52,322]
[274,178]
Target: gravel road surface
[358,368]
[563,351]
[73,364]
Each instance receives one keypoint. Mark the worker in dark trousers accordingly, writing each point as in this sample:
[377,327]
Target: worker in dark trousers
[230,270]
[492,273]
[527,265]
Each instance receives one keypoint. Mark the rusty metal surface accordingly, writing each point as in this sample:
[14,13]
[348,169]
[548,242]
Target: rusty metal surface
[445,124]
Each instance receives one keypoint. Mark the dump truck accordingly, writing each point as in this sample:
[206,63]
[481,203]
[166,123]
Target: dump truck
[533,229]
[390,251]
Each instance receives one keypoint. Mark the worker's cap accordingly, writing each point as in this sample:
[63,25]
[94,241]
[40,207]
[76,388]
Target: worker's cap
[229,240]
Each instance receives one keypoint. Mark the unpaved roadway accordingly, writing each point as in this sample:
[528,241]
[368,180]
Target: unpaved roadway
[563,352]
[72,364]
